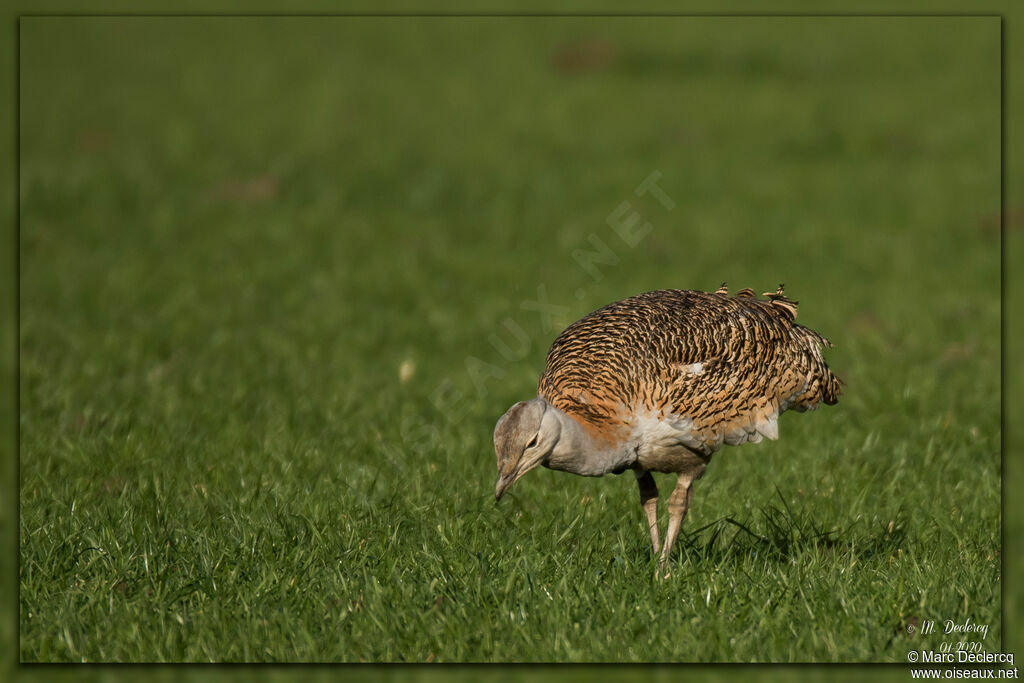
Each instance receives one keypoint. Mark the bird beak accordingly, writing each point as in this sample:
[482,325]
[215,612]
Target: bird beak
[504,481]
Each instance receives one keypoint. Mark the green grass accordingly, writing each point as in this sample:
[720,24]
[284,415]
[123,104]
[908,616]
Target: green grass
[235,233]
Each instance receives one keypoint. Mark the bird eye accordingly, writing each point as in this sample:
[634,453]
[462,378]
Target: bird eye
[533,442]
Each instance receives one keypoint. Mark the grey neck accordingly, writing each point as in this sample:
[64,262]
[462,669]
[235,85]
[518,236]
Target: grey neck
[578,452]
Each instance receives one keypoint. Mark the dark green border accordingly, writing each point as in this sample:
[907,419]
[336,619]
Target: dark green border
[1012,19]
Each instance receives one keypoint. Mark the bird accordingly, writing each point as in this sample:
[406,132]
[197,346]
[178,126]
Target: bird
[657,383]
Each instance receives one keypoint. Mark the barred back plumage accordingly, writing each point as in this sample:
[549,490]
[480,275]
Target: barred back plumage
[729,364]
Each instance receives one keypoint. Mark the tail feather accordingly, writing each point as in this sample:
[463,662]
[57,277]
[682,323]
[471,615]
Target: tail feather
[822,385]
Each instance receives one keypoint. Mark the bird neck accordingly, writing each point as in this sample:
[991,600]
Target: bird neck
[580,451]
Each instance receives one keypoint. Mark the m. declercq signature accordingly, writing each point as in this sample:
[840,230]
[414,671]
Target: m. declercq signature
[950,626]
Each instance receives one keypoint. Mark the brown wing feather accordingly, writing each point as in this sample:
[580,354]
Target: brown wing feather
[642,353]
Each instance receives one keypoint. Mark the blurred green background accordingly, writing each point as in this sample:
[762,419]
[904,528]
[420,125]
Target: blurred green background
[264,262]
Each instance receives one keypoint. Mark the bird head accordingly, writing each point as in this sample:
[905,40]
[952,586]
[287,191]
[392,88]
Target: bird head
[523,439]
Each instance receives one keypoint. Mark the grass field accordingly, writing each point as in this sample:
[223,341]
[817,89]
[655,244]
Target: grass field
[278,278]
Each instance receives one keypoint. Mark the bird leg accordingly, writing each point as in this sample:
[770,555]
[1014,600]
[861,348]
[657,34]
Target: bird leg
[649,501]
[678,502]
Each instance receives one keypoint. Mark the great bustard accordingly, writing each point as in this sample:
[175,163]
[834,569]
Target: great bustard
[657,383]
